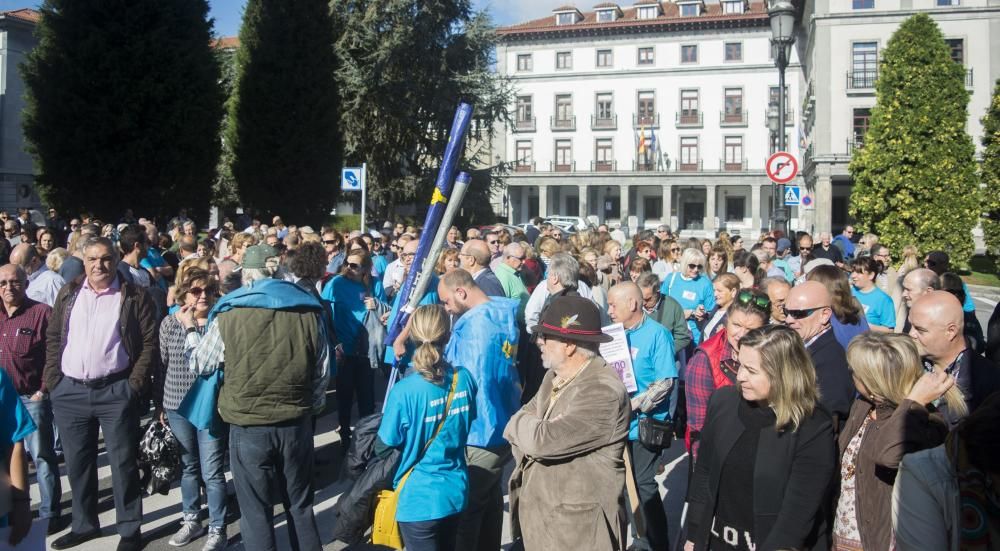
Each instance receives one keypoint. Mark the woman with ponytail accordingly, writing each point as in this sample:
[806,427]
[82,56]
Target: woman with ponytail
[427,416]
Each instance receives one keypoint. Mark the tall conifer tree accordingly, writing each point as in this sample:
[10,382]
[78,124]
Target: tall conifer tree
[915,178]
[282,125]
[990,171]
[124,106]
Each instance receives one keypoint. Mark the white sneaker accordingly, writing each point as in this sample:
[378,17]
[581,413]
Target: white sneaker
[190,530]
[216,540]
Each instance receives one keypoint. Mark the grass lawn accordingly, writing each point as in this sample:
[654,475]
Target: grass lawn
[984,271]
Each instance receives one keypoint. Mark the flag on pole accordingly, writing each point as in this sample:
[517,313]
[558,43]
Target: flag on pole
[642,140]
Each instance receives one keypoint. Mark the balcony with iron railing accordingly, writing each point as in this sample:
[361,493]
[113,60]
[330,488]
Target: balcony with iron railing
[731,120]
[690,119]
[733,166]
[866,79]
[526,124]
[604,123]
[689,166]
[645,121]
[603,166]
[644,166]
[854,145]
[568,166]
[524,166]
[566,124]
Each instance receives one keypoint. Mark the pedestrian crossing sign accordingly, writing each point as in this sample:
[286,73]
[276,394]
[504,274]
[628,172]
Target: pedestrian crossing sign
[792,196]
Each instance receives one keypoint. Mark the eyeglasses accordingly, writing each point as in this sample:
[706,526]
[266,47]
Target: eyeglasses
[12,283]
[354,265]
[754,299]
[805,248]
[329,241]
[407,255]
[695,266]
[518,258]
[803,313]
[675,250]
[197,291]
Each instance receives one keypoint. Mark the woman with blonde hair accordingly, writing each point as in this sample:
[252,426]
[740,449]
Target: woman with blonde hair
[848,316]
[692,289]
[889,419]
[432,478]
[207,263]
[767,456]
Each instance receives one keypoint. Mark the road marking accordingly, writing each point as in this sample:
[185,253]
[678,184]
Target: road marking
[986,300]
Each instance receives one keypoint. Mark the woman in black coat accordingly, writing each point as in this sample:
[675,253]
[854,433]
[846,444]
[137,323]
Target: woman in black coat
[766,467]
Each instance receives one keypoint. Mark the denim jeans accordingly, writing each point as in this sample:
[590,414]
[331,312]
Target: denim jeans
[274,456]
[480,525]
[202,457]
[644,469]
[430,535]
[40,446]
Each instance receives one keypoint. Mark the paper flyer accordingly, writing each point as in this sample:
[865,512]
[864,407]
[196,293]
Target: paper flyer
[617,354]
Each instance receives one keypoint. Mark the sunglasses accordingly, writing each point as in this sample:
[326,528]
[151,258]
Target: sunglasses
[677,250]
[805,248]
[329,241]
[695,266]
[494,242]
[803,313]
[754,299]
[198,291]
[354,265]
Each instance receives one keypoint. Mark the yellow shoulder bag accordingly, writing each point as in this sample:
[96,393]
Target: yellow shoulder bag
[385,530]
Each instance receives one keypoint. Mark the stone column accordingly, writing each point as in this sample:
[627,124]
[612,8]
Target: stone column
[623,193]
[710,210]
[583,201]
[824,203]
[510,204]
[666,204]
[755,223]
[543,201]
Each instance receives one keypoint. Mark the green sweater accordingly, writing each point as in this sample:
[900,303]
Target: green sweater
[513,287]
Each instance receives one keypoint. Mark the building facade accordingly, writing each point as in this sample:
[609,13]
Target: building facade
[839,42]
[17,171]
[650,114]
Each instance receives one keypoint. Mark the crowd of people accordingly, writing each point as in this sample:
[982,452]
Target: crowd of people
[829,396]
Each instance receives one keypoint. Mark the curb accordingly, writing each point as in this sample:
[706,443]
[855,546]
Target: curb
[983,291]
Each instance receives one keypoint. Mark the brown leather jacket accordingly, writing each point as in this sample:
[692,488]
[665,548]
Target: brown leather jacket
[137,325]
[897,431]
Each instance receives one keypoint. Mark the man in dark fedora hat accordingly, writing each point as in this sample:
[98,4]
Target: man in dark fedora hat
[568,440]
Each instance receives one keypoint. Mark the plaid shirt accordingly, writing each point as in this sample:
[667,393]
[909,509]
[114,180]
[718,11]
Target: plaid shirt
[698,388]
[22,345]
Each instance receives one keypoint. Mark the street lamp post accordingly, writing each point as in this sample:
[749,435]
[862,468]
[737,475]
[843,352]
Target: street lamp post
[782,15]
[773,122]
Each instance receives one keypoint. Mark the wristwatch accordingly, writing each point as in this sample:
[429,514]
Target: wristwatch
[191,330]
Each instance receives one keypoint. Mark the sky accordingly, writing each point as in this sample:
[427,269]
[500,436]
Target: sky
[227,13]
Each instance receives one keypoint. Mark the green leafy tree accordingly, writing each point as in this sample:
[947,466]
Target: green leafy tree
[915,178]
[282,125]
[990,171]
[405,65]
[225,193]
[123,106]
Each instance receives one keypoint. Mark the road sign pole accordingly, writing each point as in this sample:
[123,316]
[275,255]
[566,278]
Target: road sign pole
[364,193]
[781,211]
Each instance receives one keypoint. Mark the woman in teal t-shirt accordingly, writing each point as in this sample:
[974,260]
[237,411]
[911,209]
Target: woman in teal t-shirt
[879,308]
[692,290]
[432,477]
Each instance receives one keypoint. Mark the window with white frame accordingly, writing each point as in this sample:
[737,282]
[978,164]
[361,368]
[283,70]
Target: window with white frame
[605,58]
[564,60]
[646,107]
[646,56]
[566,18]
[524,62]
[605,16]
[733,6]
[733,102]
[689,151]
[689,107]
[525,109]
[564,109]
[564,154]
[733,151]
[603,153]
[690,10]
[689,53]
[605,107]
[524,156]
[647,12]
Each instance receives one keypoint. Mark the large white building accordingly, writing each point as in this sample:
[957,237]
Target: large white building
[646,114]
[839,42]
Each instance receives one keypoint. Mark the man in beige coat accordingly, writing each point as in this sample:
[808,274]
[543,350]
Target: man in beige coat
[567,442]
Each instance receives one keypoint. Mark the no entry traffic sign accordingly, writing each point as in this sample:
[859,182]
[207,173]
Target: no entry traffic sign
[782,167]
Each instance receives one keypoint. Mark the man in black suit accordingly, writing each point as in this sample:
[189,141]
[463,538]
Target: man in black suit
[475,258]
[808,312]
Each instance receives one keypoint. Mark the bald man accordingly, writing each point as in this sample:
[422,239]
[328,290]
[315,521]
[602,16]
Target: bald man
[26,256]
[917,283]
[652,348]
[808,312]
[475,258]
[937,326]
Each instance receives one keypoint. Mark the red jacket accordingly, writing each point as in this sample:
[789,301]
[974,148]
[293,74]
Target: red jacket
[703,376]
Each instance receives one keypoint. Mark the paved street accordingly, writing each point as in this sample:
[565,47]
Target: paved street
[161,513]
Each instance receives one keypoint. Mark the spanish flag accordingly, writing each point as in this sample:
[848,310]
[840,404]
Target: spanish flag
[642,140]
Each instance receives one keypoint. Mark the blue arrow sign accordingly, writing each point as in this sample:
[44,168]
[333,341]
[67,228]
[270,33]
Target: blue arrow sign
[350,179]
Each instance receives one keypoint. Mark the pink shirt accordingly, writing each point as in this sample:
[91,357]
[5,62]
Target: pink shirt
[93,343]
